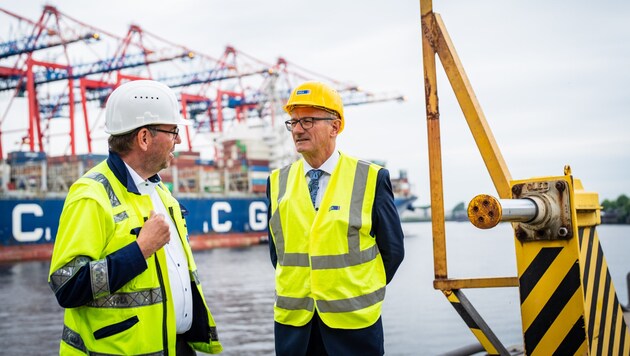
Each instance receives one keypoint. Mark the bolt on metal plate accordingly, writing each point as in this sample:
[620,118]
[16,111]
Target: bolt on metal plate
[556,224]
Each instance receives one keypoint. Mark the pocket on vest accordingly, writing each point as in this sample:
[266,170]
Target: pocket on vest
[115,328]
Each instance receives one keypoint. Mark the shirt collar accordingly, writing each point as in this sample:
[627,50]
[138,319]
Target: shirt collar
[327,167]
[122,173]
[145,187]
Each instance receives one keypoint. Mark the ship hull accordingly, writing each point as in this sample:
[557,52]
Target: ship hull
[28,226]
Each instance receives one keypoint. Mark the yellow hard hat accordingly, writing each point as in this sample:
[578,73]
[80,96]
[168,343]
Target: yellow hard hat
[319,95]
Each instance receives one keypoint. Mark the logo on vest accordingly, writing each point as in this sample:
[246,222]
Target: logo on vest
[334,207]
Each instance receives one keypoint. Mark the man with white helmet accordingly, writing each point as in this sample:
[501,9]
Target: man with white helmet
[121,265]
[335,236]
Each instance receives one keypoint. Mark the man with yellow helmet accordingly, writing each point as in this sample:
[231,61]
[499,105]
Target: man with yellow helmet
[335,236]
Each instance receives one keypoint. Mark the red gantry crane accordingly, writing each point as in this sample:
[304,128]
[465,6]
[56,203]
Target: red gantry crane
[232,89]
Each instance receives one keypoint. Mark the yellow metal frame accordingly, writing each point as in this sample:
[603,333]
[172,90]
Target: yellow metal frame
[568,301]
[435,40]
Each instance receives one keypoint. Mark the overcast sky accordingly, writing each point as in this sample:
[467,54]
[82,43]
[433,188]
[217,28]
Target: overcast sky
[551,76]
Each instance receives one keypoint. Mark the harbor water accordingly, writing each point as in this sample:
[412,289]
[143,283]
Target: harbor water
[238,283]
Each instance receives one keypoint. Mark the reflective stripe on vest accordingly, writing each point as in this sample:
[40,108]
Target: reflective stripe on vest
[100,177]
[128,300]
[351,304]
[120,216]
[291,303]
[62,275]
[99,278]
[332,306]
[73,339]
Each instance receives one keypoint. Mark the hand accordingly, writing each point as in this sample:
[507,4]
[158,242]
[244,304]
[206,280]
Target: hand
[154,234]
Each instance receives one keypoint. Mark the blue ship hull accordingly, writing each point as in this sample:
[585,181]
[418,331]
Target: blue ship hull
[35,221]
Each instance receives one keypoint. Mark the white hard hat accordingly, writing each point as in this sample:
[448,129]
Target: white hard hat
[139,103]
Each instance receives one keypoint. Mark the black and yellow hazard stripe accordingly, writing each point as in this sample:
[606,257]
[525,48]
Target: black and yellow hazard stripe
[552,306]
[475,323]
[605,325]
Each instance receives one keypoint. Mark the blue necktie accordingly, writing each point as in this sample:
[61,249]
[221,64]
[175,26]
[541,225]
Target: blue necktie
[313,185]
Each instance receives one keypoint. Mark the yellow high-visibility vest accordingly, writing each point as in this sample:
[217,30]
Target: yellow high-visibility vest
[138,318]
[327,260]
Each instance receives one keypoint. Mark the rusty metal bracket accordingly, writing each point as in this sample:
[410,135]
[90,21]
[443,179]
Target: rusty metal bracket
[553,220]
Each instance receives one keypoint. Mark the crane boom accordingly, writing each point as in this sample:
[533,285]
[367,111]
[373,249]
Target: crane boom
[34,43]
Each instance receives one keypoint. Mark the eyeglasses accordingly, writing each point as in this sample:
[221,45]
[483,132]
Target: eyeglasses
[174,132]
[305,122]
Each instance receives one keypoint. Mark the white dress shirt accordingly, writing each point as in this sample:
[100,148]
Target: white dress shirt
[327,167]
[176,261]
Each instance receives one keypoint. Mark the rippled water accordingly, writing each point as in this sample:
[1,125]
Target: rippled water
[238,284]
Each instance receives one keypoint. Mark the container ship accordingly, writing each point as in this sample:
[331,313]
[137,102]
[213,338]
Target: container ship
[225,197]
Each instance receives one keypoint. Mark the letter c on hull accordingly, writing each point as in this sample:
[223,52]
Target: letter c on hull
[26,236]
[214,216]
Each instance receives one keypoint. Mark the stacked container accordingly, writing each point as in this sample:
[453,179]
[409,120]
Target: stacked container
[65,170]
[5,177]
[246,165]
[28,170]
[183,173]
[210,178]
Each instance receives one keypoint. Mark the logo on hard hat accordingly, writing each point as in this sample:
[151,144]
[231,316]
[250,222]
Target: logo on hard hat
[303,91]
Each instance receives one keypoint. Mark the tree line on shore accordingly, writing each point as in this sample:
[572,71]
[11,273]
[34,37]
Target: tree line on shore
[616,211]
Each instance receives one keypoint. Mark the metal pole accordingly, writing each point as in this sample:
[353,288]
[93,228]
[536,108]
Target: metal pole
[518,210]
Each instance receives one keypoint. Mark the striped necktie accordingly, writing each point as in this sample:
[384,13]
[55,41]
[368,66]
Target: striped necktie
[313,185]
